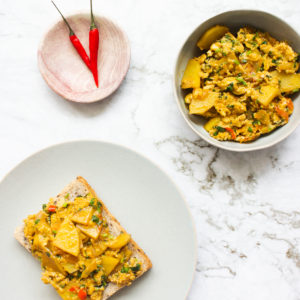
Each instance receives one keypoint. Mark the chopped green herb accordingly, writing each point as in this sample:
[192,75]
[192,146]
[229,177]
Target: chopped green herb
[220,129]
[95,219]
[136,268]
[230,106]
[218,50]
[256,122]
[67,196]
[219,69]
[262,68]
[249,52]
[229,87]
[250,129]
[92,202]
[66,204]
[44,206]
[54,232]
[275,61]
[36,221]
[295,90]
[255,36]
[236,62]
[264,43]
[78,274]
[103,280]
[125,269]
[99,205]
[241,80]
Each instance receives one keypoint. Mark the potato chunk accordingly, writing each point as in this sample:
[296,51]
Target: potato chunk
[67,238]
[211,123]
[191,76]
[202,105]
[268,93]
[92,231]
[289,83]
[211,35]
[91,265]
[51,262]
[109,263]
[120,241]
[83,216]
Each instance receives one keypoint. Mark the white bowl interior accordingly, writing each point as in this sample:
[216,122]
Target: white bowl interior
[235,20]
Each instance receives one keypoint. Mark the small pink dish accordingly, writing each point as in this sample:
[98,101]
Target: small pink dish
[65,72]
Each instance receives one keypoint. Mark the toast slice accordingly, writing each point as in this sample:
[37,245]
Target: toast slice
[77,188]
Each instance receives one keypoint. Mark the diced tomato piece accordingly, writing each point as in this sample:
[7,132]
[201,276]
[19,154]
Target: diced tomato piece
[82,294]
[283,114]
[52,208]
[230,130]
[73,289]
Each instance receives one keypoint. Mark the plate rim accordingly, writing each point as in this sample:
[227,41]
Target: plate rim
[127,148]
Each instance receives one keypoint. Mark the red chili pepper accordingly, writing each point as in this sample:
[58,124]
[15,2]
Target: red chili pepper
[82,294]
[75,41]
[230,130]
[52,208]
[94,46]
[73,289]
[283,114]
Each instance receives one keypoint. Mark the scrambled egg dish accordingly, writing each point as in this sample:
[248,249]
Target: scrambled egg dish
[79,254]
[242,83]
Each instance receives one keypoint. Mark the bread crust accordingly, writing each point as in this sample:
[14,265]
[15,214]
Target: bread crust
[75,188]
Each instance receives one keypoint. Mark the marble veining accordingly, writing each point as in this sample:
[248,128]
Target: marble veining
[245,206]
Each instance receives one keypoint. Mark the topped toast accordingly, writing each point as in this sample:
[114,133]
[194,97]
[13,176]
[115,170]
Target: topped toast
[84,251]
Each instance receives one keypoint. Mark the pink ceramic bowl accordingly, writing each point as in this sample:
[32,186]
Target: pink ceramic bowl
[65,72]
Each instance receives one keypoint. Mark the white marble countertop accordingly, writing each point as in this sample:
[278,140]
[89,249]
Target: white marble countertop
[246,206]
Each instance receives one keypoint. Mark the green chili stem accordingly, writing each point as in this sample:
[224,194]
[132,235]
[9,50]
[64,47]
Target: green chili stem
[67,23]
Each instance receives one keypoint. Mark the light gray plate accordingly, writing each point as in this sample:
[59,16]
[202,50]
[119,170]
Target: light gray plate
[137,192]
[234,20]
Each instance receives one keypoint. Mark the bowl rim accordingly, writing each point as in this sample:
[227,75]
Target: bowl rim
[217,143]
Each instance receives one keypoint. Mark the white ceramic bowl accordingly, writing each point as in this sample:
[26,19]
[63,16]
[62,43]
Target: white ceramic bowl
[235,20]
